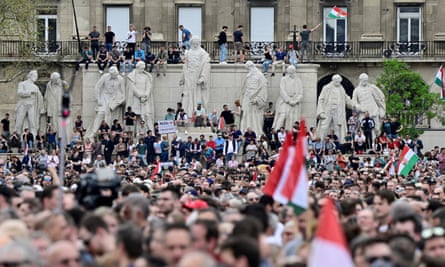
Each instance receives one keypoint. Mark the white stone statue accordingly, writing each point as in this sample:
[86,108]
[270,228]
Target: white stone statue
[140,94]
[331,109]
[53,104]
[288,105]
[196,75]
[110,95]
[253,99]
[30,104]
[369,98]
[53,97]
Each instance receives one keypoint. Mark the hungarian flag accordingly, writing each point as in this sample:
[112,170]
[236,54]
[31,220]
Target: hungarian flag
[329,247]
[407,161]
[337,13]
[221,123]
[287,183]
[439,82]
[157,170]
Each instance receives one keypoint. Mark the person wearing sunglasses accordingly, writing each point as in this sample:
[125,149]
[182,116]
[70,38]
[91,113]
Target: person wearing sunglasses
[434,242]
[377,252]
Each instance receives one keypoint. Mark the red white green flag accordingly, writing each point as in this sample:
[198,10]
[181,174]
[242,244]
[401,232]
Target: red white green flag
[438,80]
[329,247]
[157,170]
[288,183]
[407,161]
[337,13]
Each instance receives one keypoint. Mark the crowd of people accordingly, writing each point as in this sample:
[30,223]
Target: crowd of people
[127,195]
[128,198]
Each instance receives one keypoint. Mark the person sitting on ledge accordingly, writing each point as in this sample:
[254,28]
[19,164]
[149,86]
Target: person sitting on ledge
[182,118]
[200,115]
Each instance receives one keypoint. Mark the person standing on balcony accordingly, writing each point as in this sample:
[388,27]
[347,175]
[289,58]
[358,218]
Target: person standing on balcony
[131,38]
[305,42]
[109,38]
[238,40]
[186,37]
[94,37]
[146,40]
[222,42]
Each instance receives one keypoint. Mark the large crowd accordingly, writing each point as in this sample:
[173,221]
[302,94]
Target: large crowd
[131,196]
[128,198]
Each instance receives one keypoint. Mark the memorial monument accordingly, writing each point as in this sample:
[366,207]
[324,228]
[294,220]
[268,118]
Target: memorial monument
[109,92]
[253,99]
[195,77]
[288,104]
[139,89]
[331,109]
[369,98]
[30,105]
[53,99]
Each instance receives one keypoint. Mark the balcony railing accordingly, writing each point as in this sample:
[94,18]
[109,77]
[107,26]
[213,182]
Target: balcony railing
[340,51]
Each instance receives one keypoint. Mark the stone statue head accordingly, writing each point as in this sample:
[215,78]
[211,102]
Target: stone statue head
[337,79]
[195,42]
[33,75]
[363,78]
[55,76]
[250,65]
[291,70]
[113,72]
[140,66]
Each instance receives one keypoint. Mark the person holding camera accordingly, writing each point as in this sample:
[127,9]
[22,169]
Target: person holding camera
[146,40]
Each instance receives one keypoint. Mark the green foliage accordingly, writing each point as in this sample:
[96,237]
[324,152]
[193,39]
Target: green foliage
[18,18]
[408,96]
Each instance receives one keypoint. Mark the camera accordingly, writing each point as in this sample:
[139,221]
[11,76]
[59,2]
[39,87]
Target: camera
[99,188]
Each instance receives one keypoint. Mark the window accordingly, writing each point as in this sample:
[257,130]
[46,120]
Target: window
[334,30]
[262,21]
[191,18]
[118,17]
[47,31]
[408,24]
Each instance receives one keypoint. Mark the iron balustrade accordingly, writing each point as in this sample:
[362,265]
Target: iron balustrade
[68,50]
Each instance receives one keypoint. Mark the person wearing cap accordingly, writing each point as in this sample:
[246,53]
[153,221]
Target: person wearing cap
[292,55]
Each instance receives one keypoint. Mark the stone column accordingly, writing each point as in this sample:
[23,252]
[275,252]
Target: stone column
[372,11]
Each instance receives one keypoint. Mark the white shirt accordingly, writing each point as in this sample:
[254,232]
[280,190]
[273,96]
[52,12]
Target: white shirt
[131,36]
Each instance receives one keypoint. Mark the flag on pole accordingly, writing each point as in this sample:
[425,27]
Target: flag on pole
[221,123]
[407,161]
[329,247]
[297,188]
[337,13]
[438,80]
[287,183]
[157,170]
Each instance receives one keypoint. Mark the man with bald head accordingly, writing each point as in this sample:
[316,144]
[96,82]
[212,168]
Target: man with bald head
[62,254]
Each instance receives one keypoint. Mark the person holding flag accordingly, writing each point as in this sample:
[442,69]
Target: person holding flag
[305,44]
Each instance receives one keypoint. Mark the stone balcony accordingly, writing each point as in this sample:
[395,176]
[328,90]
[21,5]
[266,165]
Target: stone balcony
[322,52]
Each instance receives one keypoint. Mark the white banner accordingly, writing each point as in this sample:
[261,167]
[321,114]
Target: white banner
[166,127]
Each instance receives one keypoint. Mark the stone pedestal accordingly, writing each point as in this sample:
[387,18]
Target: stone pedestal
[226,83]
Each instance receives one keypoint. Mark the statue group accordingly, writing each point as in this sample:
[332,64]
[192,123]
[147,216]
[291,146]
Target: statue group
[333,100]
[114,94]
